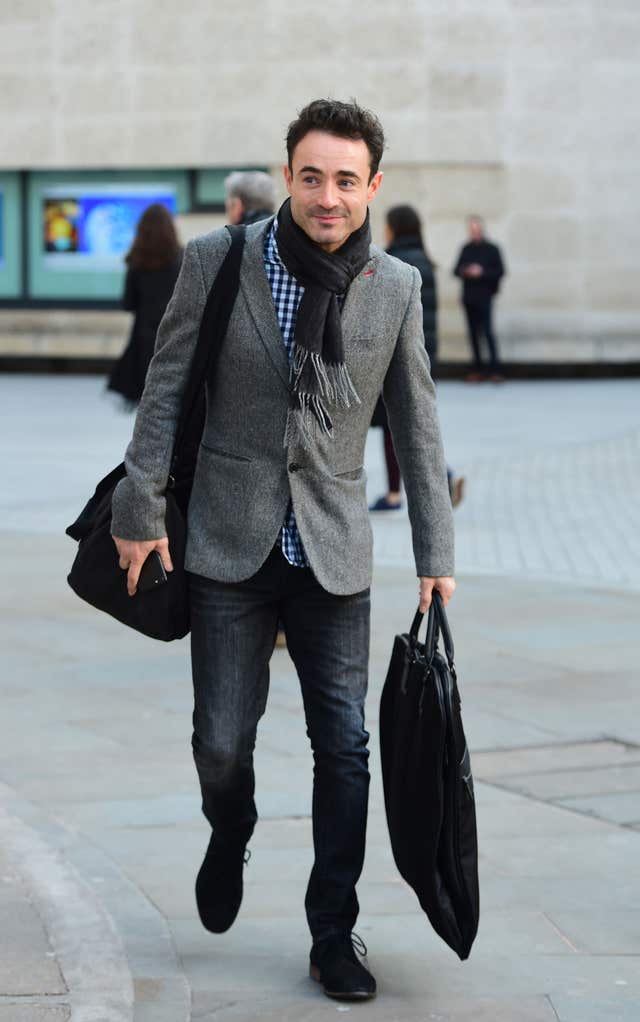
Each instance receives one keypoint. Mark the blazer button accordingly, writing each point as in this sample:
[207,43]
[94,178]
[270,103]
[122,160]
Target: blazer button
[293,467]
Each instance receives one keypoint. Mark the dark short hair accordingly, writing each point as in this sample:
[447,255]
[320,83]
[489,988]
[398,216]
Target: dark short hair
[404,222]
[346,120]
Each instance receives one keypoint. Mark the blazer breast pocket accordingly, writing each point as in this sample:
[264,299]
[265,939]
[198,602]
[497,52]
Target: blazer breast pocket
[351,473]
[220,453]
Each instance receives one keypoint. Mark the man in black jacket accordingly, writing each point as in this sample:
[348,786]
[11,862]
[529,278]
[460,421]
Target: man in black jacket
[480,268]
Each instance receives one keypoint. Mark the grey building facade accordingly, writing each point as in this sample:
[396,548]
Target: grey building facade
[520,111]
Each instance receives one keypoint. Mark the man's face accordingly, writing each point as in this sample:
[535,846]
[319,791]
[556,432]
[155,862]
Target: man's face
[329,187]
[476,230]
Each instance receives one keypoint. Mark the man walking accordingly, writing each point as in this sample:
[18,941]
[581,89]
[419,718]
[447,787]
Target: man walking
[278,525]
[480,268]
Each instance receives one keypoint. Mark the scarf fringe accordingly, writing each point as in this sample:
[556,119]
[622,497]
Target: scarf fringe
[333,385]
[333,380]
[305,419]
[345,391]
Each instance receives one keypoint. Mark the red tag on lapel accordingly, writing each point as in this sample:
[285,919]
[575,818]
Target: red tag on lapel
[368,273]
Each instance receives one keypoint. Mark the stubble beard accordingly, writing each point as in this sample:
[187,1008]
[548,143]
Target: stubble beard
[323,234]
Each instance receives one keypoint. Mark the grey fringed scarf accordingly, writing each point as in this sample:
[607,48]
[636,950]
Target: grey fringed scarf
[319,376]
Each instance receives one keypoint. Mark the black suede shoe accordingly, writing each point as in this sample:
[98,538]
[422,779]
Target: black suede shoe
[219,884]
[334,963]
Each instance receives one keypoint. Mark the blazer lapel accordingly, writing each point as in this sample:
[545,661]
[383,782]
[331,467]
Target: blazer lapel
[255,287]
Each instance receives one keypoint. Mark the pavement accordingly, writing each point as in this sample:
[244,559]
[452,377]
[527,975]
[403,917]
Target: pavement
[100,826]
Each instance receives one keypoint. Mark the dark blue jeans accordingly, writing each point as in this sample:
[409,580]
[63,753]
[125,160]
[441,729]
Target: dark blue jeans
[233,630]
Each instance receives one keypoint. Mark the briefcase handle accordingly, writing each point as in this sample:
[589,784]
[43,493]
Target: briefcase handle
[437,623]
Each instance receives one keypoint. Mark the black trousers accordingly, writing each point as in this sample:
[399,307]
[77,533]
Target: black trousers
[233,630]
[480,326]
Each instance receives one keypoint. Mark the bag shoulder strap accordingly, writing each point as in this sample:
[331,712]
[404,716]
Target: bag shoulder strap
[213,327]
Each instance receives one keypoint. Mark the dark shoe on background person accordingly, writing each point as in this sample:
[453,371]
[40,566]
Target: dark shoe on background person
[475,377]
[497,378]
[335,964]
[384,504]
[219,884]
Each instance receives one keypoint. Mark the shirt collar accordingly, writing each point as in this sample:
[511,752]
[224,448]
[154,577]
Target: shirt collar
[271,248]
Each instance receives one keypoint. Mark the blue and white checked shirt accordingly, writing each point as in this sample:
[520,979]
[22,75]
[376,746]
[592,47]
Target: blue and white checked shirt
[287,293]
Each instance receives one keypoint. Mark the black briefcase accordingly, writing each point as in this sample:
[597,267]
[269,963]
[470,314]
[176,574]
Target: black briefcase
[428,787]
[95,576]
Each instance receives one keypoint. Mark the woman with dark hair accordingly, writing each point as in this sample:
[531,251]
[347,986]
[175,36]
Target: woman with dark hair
[153,263]
[403,237]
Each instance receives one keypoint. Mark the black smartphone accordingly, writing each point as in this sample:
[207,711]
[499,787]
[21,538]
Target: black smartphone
[152,574]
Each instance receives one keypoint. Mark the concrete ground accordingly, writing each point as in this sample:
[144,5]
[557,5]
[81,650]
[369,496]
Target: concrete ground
[100,828]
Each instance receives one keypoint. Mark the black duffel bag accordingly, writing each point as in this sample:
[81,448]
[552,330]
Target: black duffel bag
[161,612]
[428,787]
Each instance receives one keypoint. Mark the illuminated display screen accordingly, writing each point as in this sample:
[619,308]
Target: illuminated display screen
[92,227]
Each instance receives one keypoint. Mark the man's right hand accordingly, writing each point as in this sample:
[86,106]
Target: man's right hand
[133,554]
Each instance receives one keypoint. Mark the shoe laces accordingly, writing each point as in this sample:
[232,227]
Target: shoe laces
[358,944]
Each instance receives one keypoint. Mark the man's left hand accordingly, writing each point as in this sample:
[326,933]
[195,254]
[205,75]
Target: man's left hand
[445,585]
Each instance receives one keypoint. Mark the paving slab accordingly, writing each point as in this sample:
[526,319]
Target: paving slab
[588,782]
[600,779]
[545,622]
[27,961]
[600,931]
[616,1008]
[13,1012]
[110,944]
[303,1009]
[554,758]
[622,807]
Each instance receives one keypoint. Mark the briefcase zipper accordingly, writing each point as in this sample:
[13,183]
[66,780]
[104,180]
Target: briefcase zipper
[462,890]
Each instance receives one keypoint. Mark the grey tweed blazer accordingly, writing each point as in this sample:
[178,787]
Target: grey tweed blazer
[244,476]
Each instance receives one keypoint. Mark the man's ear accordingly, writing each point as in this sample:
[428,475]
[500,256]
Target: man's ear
[374,185]
[288,177]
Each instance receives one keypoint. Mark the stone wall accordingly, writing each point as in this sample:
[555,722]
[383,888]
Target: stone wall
[522,110]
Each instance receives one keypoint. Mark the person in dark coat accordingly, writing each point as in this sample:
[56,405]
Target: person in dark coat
[153,263]
[403,235]
[480,267]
